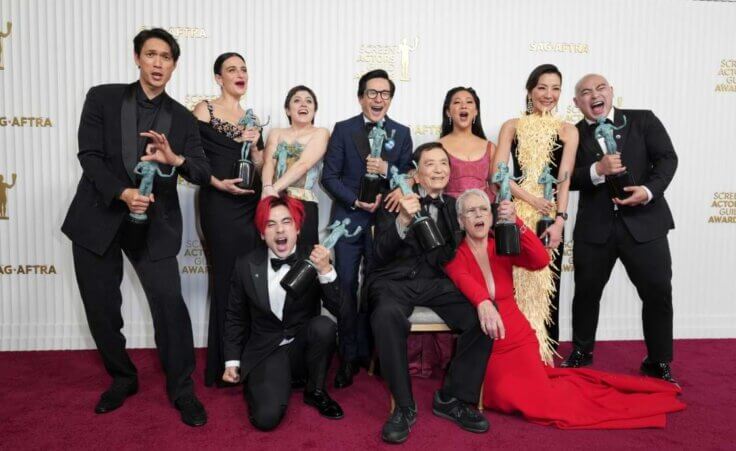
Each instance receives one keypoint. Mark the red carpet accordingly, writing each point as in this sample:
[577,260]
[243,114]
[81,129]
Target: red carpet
[47,400]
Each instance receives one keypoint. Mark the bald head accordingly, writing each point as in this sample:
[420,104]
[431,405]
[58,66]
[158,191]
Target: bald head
[593,96]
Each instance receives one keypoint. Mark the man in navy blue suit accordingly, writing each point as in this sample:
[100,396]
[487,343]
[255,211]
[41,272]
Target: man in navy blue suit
[346,162]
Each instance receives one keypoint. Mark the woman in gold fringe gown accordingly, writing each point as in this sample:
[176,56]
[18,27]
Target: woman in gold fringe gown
[534,141]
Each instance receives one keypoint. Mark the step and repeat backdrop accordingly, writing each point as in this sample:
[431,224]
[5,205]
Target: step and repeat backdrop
[675,57]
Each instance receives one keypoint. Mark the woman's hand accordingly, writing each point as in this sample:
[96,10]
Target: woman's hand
[230,186]
[543,206]
[555,235]
[490,320]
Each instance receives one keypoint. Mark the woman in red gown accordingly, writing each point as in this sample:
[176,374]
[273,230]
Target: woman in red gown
[516,379]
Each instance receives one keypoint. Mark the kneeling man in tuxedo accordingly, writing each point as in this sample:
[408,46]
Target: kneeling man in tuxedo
[271,337]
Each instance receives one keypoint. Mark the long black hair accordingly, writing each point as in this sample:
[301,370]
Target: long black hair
[476,128]
[221,60]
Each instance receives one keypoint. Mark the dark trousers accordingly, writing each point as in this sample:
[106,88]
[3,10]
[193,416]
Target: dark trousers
[353,330]
[309,234]
[99,279]
[648,265]
[268,385]
[394,301]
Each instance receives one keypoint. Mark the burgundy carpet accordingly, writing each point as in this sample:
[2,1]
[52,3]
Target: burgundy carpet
[47,400]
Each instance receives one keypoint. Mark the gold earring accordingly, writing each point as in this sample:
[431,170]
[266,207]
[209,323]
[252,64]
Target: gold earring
[529,105]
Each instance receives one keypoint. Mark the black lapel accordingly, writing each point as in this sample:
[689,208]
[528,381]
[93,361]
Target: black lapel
[129,131]
[259,276]
[360,139]
[588,141]
[621,135]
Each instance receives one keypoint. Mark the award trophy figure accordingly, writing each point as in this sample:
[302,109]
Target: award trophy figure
[426,229]
[244,168]
[545,221]
[616,183]
[370,184]
[137,223]
[506,234]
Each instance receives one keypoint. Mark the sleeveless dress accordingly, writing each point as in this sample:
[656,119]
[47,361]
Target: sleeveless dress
[516,381]
[553,327]
[467,175]
[301,190]
[227,225]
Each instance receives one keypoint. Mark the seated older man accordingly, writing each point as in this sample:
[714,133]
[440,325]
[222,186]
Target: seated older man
[405,276]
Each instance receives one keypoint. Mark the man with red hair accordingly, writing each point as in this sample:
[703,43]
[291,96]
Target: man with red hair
[272,337]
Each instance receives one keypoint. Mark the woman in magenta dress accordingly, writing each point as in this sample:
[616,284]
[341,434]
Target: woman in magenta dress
[516,380]
[462,135]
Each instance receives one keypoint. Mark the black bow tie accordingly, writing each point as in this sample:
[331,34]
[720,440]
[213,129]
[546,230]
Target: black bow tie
[369,126]
[277,263]
[429,200]
[595,124]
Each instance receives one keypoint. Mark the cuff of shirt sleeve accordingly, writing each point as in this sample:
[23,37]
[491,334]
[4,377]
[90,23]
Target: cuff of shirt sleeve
[400,229]
[235,363]
[594,177]
[329,277]
[649,195]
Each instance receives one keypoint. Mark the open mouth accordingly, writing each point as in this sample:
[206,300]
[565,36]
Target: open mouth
[377,109]
[478,225]
[240,84]
[158,76]
[303,112]
[464,115]
[281,244]
[597,108]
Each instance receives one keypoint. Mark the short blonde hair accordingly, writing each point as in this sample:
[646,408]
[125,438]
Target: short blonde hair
[460,203]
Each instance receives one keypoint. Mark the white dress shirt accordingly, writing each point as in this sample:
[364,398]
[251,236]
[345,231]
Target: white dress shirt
[277,294]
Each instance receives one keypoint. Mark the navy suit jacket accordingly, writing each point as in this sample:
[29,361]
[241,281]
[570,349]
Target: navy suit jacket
[344,164]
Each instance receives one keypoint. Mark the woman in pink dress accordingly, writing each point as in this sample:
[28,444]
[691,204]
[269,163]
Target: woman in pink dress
[462,135]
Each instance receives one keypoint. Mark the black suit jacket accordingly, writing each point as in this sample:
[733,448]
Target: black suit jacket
[108,153]
[397,259]
[252,331]
[647,152]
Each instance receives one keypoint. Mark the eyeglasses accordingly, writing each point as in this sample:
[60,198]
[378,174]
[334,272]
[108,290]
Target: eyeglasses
[372,94]
[476,211]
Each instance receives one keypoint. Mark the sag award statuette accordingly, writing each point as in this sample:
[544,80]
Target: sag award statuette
[302,274]
[424,227]
[505,233]
[616,183]
[244,168]
[137,223]
[370,184]
[545,221]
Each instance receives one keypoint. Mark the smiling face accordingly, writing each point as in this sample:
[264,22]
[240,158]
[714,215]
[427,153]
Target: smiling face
[301,108]
[462,110]
[593,96]
[476,217]
[546,93]
[233,76]
[280,232]
[375,109]
[433,172]
[156,64]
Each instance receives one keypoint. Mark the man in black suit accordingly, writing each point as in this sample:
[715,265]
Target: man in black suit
[633,229]
[405,276]
[272,337]
[120,125]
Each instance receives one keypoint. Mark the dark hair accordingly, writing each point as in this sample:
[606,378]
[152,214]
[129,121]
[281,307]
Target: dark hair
[291,94]
[426,147]
[158,33]
[221,60]
[537,73]
[377,73]
[476,128]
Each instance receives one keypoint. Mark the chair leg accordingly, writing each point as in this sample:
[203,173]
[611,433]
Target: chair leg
[480,399]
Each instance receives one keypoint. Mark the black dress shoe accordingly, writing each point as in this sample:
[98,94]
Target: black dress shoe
[396,428]
[326,406]
[466,416]
[577,359]
[115,396]
[192,411]
[344,376]
[660,370]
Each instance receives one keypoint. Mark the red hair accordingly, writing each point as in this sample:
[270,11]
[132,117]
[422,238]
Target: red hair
[263,211]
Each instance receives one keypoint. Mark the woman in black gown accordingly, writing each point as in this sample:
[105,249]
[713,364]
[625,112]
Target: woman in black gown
[225,211]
